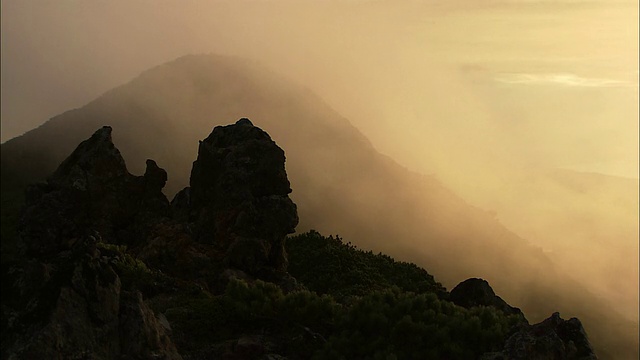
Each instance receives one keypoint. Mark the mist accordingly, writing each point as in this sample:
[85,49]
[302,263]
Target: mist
[531,83]
[526,109]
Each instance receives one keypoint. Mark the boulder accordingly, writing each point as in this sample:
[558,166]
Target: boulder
[238,197]
[552,339]
[76,309]
[477,292]
[67,300]
[92,191]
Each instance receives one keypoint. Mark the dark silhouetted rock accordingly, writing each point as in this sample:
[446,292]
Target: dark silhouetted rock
[143,335]
[181,204]
[94,165]
[552,339]
[67,300]
[67,297]
[239,199]
[477,292]
[92,191]
[73,307]
[155,178]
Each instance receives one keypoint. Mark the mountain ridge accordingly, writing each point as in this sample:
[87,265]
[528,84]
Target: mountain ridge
[100,247]
[342,184]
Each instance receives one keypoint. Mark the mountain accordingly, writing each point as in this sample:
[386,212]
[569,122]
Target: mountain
[342,185]
[108,268]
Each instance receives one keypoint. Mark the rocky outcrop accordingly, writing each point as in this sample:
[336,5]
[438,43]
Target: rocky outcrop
[93,232]
[73,306]
[552,339]
[67,299]
[238,198]
[477,292]
[67,292]
[92,191]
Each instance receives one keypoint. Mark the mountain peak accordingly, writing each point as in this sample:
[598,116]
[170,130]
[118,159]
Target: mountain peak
[244,121]
[95,157]
[239,196]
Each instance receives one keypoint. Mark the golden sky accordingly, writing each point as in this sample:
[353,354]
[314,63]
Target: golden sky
[547,83]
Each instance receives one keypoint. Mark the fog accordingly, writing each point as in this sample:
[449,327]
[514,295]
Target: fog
[533,83]
[527,109]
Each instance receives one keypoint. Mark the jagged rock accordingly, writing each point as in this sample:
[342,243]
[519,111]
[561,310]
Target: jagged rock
[94,165]
[92,191]
[238,198]
[78,310]
[181,204]
[552,339]
[477,292]
[142,335]
[67,301]
[67,297]
[155,178]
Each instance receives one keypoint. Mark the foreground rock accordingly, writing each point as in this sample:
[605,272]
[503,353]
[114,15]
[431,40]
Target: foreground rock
[66,297]
[238,199]
[92,191]
[477,292]
[93,223]
[77,309]
[552,339]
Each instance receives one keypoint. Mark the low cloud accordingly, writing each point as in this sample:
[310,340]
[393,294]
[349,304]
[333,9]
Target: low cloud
[561,79]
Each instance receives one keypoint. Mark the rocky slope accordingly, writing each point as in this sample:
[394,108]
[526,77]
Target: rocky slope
[63,297]
[93,228]
[553,338]
[342,185]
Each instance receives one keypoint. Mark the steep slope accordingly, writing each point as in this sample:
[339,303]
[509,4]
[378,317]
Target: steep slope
[107,268]
[342,184]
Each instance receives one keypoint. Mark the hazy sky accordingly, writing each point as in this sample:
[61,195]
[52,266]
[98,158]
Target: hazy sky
[444,87]
[553,83]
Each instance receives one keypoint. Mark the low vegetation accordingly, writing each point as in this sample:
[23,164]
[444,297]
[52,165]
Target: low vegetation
[356,305]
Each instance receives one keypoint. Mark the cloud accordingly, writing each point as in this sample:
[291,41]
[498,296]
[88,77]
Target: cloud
[561,79]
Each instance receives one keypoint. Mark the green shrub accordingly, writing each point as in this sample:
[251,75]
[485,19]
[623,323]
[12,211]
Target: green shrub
[406,325]
[327,265]
[354,308]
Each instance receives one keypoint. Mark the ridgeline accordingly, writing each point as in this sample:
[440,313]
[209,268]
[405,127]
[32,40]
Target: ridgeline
[106,267]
